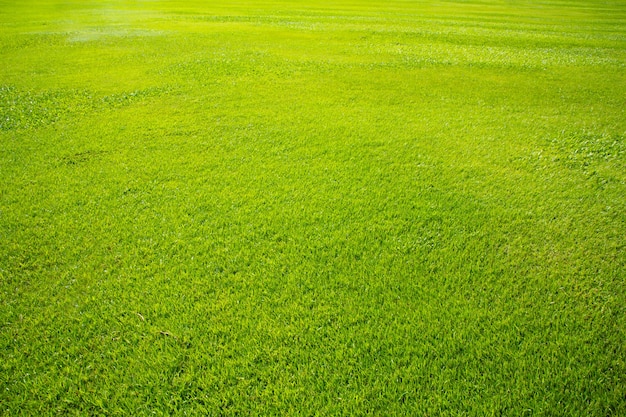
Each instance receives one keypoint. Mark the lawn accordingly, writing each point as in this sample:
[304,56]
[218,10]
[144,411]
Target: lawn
[313,208]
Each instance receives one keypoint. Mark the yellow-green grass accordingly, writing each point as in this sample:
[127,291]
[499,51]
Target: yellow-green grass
[313,208]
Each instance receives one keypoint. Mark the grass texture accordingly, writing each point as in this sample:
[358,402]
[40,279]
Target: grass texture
[313,208]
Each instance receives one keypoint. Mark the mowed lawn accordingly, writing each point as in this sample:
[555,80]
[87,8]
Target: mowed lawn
[313,208]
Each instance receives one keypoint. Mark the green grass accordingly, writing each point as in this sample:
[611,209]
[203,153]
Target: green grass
[313,208]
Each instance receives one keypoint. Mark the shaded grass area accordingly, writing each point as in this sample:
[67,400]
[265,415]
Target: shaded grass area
[333,209]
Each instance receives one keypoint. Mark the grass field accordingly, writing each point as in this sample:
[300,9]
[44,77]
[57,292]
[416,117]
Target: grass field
[313,208]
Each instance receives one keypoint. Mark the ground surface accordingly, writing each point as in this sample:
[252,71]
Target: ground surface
[313,208]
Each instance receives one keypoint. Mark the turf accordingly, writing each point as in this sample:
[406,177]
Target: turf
[313,208]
